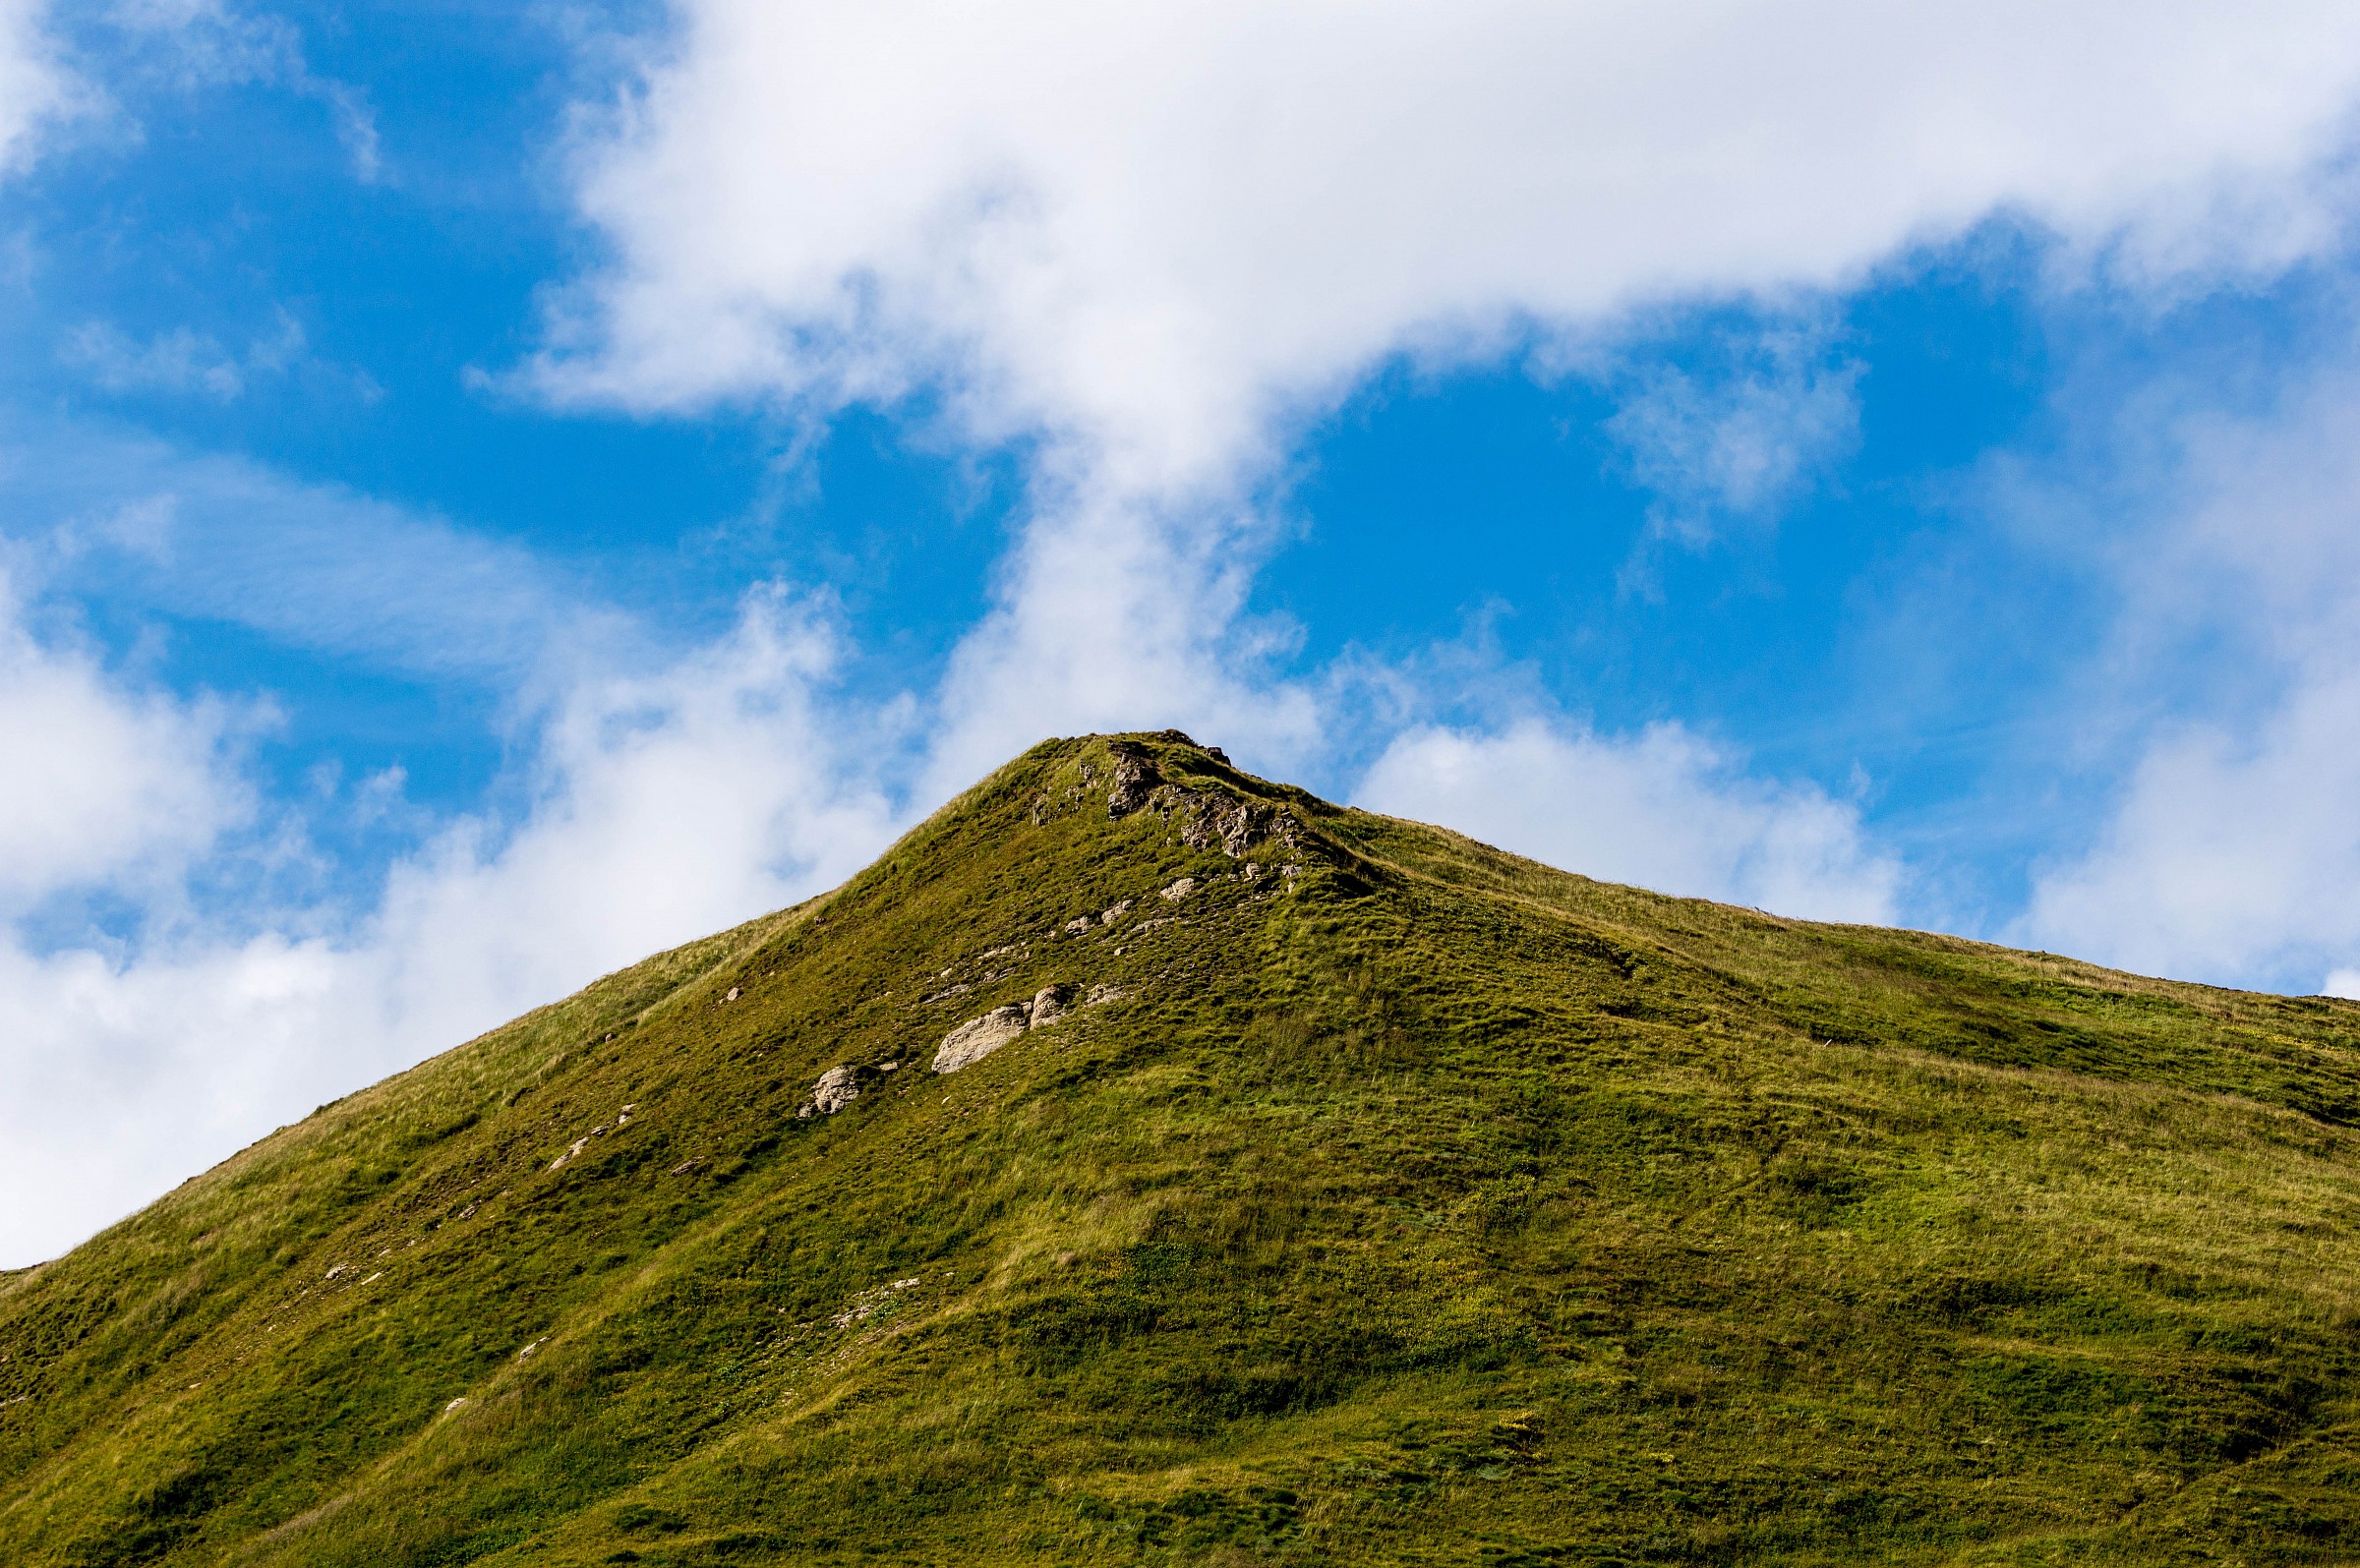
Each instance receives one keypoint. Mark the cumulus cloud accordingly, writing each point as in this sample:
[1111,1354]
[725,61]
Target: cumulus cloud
[667,805]
[1129,621]
[1152,230]
[1663,809]
[662,806]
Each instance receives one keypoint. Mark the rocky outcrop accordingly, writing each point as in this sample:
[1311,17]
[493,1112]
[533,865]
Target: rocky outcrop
[1134,779]
[838,1087]
[977,1038]
[1206,819]
[1232,827]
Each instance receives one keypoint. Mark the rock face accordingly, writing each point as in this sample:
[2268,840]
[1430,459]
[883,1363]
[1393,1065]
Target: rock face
[977,1038]
[1180,890]
[1134,779]
[1233,827]
[1211,819]
[838,1087]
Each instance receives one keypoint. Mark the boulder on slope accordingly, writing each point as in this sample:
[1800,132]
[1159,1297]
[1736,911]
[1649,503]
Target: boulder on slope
[977,1038]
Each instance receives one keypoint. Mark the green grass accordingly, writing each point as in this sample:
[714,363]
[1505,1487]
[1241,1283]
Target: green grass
[1434,1206]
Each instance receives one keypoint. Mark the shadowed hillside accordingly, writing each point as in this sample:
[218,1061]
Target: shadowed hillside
[1313,1188]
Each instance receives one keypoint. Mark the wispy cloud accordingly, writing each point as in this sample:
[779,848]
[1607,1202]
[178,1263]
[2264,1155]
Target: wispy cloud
[1740,440]
[314,567]
[36,88]
[194,46]
[179,361]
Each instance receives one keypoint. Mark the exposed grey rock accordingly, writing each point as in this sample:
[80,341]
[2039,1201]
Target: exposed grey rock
[1100,995]
[1077,925]
[977,1038]
[1180,890]
[838,1087]
[1232,826]
[1134,779]
[1115,912]
[1048,1004]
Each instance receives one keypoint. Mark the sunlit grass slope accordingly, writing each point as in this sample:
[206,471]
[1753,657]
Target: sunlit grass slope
[1422,1206]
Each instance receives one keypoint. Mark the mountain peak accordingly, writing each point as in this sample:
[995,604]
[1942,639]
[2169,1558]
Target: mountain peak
[1143,1161]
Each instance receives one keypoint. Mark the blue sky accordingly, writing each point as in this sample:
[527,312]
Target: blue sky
[489,492]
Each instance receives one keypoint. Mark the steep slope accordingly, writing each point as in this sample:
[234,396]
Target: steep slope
[1354,1194]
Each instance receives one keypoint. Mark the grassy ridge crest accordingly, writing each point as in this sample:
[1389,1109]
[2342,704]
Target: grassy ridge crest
[1399,1200]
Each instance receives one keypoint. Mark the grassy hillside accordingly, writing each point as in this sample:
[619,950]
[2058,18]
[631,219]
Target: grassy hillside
[1421,1204]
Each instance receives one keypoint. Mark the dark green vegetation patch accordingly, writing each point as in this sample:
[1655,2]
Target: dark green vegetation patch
[1380,1198]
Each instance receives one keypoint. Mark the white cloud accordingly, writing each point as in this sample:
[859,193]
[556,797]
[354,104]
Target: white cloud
[1662,809]
[188,46]
[34,86]
[99,783]
[669,807]
[1144,242]
[664,807]
[2343,983]
[2232,856]
[1146,230]
[2231,852]
[1116,618]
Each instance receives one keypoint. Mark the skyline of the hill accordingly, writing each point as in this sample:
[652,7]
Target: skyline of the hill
[1143,1162]
[1887,464]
